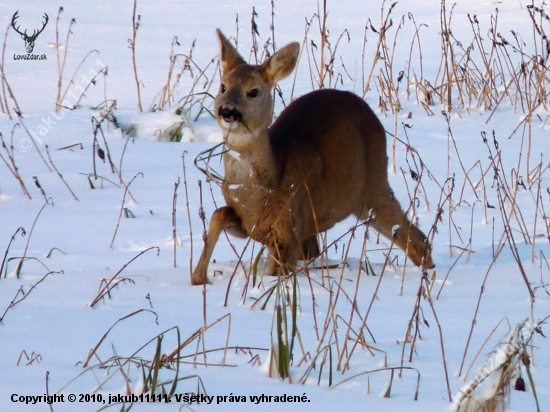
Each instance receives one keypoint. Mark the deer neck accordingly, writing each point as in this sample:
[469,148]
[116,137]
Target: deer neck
[250,160]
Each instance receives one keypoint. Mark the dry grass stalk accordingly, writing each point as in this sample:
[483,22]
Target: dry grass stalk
[23,258]
[174,222]
[60,101]
[107,286]
[501,370]
[163,364]
[385,26]
[136,22]
[33,357]
[20,230]
[6,89]
[34,144]
[93,352]
[10,153]
[59,174]
[390,383]
[167,93]
[24,294]
[3,98]
[188,212]
[126,188]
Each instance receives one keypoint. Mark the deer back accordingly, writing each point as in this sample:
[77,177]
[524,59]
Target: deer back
[333,145]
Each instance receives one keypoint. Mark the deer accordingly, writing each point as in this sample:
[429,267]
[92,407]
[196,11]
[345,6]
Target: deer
[29,40]
[322,160]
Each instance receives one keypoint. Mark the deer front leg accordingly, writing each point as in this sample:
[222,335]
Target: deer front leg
[223,218]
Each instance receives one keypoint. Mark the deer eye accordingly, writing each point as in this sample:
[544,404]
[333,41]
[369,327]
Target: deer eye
[253,93]
[222,89]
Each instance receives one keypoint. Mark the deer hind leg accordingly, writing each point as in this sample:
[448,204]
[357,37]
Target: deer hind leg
[389,219]
[283,255]
[310,248]
[223,218]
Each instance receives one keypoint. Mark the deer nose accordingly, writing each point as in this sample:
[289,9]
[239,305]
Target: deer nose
[229,114]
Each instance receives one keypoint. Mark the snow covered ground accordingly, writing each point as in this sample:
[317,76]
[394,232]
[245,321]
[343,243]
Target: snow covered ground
[490,247]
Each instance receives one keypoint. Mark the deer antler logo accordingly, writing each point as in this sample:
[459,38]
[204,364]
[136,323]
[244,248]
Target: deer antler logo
[29,40]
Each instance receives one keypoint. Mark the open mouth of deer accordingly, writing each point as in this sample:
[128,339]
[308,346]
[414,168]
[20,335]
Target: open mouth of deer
[230,117]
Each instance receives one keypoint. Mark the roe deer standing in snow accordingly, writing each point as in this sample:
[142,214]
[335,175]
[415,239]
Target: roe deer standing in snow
[322,160]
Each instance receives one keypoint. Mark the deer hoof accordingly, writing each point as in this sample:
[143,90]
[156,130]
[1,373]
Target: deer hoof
[199,279]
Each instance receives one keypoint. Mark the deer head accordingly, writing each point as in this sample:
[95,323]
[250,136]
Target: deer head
[244,104]
[29,40]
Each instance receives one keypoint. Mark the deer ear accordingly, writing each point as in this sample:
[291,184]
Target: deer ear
[281,64]
[229,56]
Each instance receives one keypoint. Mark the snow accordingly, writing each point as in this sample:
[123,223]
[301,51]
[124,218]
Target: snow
[76,246]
